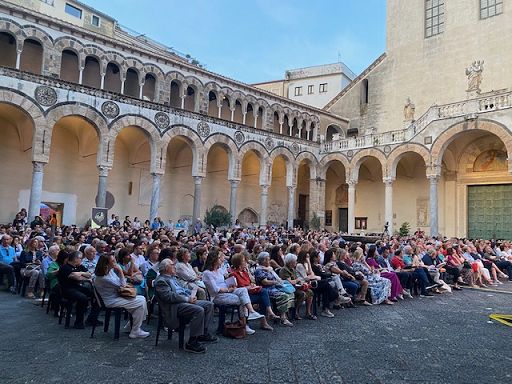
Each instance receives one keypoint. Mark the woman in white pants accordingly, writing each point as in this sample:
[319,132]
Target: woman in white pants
[109,278]
[223,293]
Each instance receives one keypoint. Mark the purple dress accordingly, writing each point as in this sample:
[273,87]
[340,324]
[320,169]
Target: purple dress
[396,287]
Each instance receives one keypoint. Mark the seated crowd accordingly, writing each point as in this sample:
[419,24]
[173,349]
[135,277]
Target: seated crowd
[268,273]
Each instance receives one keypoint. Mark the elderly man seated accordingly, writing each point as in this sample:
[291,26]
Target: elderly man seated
[178,303]
[90,259]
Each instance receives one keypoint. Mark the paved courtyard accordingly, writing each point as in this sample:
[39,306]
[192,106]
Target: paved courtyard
[446,339]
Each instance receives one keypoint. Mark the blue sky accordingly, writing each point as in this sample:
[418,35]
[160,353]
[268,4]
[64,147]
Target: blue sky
[258,40]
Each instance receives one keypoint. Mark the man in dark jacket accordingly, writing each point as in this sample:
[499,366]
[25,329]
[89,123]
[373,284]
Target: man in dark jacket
[178,303]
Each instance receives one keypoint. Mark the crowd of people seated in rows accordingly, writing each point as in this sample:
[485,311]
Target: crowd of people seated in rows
[269,273]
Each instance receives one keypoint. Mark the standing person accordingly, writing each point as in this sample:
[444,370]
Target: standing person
[7,255]
[197,226]
[109,278]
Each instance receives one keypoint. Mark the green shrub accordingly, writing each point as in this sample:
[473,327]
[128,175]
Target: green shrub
[217,216]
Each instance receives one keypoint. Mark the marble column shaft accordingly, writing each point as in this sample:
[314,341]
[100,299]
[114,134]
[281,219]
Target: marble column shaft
[36,190]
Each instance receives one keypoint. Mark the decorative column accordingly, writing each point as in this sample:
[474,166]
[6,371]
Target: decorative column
[232,199]
[291,206]
[102,85]
[433,204]
[196,212]
[232,114]
[123,81]
[81,75]
[102,185]
[141,90]
[36,190]
[255,114]
[308,133]
[244,115]
[219,108]
[155,196]
[351,205]
[281,127]
[18,59]
[183,106]
[388,203]
[264,205]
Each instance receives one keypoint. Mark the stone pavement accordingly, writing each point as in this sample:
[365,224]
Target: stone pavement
[445,339]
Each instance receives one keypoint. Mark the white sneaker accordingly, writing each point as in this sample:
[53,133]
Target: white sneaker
[139,333]
[254,316]
[249,330]
[407,294]
[326,313]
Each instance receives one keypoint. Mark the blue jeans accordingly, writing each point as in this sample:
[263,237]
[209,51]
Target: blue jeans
[351,287]
[262,299]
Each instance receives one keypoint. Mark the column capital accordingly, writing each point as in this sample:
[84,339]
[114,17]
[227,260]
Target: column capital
[351,183]
[388,180]
[234,182]
[104,170]
[291,187]
[434,179]
[198,180]
[38,166]
[264,188]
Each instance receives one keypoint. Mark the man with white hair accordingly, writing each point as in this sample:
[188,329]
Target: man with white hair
[181,304]
[90,259]
[53,251]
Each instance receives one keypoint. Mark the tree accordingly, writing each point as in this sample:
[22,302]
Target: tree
[217,216]
[404,229]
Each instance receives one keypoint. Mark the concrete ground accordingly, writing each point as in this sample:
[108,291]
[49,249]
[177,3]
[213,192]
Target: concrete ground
[445,339]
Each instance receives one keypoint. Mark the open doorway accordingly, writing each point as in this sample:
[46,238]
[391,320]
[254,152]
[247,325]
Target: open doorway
[47,209]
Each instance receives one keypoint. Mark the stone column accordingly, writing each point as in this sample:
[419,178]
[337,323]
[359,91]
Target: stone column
[81,75]
[351,205]
[141,90]
[196,212]
[232,114]
[264,205]
[183,107]
[244,116]
[155,196]
[232,199]
[102,185]
[388,203]
[291,206]
[102,85]
[219,109]
[123,81]
[18,59]
[36,190]
[433,204]
[308,133]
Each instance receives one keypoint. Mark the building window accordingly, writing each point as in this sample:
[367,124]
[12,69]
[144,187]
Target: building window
[361,223]
[323,88]
[95,21]
[311,89]
[298,91]
[490,8]
[73,11]
[434,17]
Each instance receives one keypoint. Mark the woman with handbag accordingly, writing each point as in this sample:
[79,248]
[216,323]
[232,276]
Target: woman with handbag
[223,292]
[30,260]
[268,279]
[131,272]
[111,284]
[186,275]
[257,293]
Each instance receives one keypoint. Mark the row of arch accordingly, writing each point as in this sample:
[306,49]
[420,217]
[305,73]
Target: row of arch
[107,133]
[31,49]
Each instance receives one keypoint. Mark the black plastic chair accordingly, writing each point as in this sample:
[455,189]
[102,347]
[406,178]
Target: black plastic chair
[65,309]
[117,311]
[161,323]
[223,310]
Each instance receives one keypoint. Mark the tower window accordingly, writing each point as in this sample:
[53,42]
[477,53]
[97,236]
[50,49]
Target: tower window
[490,8]
[434,17]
